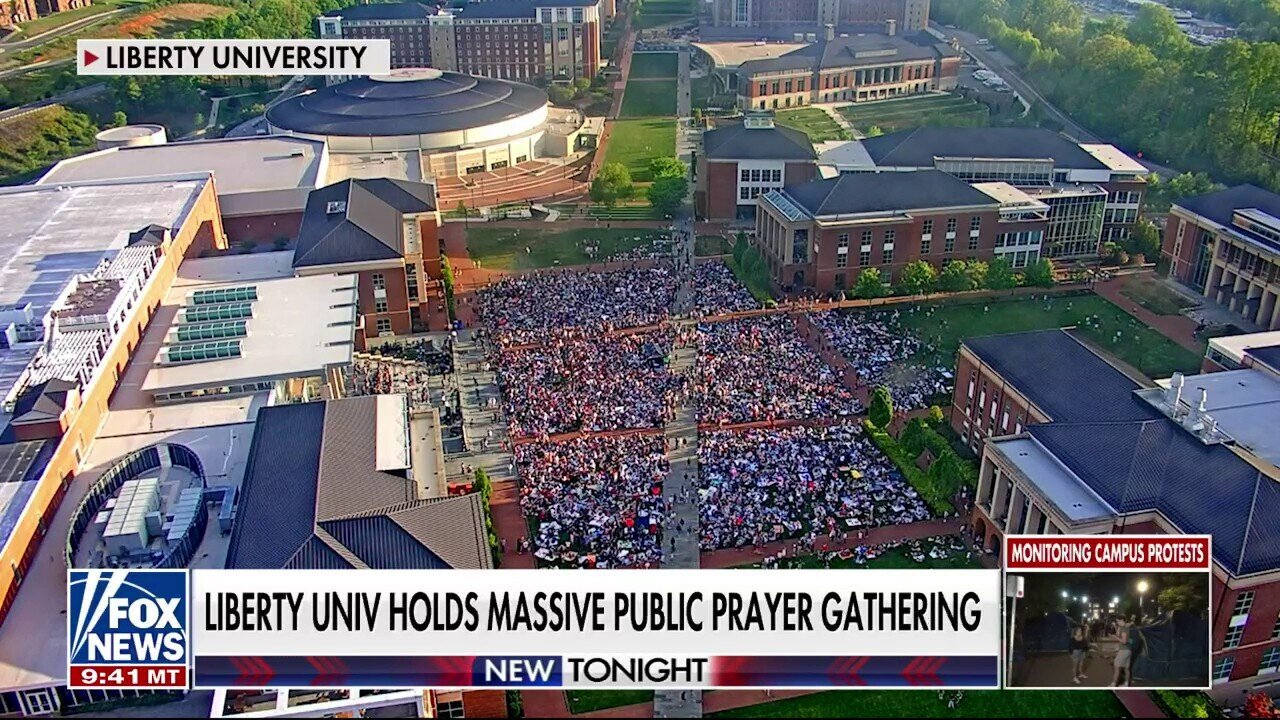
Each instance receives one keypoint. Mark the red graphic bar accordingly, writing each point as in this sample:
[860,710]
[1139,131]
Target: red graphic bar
[1107,552]
[128,677]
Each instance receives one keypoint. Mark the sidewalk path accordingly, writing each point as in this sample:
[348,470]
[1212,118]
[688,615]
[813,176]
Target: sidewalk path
[1178,328]
[736,557]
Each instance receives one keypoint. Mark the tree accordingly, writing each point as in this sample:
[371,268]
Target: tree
[739,247]
[954,277]
[581,85]
[1000,275]
[1155,27]
[1039,274]
[881,411]
[1162,193]
[917,278]
[946,473]
[664,167]
[1145,240]
[119,119]
[613,183]
[874,131]
[870,285]
[912,437]
[666,194]
[560,94]
[1259,705]
[198,121]
[977,271]
[935,415]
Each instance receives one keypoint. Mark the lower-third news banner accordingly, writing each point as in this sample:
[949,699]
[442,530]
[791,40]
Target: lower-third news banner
[602,628]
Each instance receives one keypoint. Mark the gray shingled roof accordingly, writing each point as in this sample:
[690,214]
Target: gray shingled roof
[853,193]
[1221,205]
[313,498]
[1061,376]
[384,11]
[917,148]
[737,142]
[366,228]
[367,107]
[854,51]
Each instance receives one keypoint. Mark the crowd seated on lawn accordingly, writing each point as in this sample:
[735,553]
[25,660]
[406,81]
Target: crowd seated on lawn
[758,368]
[717,290]
[939,549]
[762,486]
[611,382]
[520,309]
[881,350]
[595,501]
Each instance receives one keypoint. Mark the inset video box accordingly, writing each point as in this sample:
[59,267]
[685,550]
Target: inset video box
[594,629]
[233,57]
[1091,611]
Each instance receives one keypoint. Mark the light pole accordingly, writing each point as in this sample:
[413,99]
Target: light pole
[1143,586]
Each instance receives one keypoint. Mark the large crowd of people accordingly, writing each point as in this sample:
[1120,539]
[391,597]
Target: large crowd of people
[884,352]
[520,309]
[379,375]
[571,383]
[762,486]
[759,368]
[717,290]
[595,501]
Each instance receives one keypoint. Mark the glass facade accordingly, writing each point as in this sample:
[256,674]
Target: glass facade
[1075,224]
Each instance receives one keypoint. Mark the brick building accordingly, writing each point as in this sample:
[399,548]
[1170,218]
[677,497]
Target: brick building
[1226,246]
[822,234]
[528,40]
[16,12]
[741,160]
[908,14]
[1094,191]
[1070,444]
[849,68]
[388,233]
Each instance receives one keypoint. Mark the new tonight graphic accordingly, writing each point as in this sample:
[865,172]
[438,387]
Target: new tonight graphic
[605,671]
[233,57]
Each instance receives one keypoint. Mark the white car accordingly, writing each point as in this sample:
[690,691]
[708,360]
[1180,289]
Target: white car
[984,42]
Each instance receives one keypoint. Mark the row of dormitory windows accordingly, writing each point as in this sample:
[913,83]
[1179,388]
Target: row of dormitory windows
[837,82]
[1120,215]
[1124,197]
[760,175]
[1248,262]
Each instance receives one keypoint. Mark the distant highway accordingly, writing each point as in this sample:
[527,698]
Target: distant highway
[78,94]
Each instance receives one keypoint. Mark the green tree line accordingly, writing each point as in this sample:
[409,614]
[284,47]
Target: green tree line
[1144,85]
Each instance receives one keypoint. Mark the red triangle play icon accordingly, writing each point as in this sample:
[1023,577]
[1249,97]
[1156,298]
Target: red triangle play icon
[89,58]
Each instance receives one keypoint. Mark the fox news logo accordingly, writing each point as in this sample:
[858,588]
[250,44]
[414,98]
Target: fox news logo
[127,628]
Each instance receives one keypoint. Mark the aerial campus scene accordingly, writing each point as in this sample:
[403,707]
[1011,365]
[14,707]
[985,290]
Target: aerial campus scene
[589,284]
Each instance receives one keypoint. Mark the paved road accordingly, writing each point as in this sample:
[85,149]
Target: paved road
[80,94]
[54,34]
[1007,69]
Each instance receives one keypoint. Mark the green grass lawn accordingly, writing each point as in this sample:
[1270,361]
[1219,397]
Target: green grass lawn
[929,110]
[582,701]
[1152,294]
[504,248]
[635,143]
[649,98]
[925,703]
[712,245]
[654,65]
[1140,346]
[812,122]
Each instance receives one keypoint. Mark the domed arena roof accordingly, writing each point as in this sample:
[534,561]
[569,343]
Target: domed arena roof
[407,102]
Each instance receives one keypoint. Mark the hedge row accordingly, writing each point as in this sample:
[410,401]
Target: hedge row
[937,497]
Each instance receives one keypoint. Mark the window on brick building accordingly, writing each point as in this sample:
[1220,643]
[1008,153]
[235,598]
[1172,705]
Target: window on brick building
[1222,669]
[1270,661]
[384,326]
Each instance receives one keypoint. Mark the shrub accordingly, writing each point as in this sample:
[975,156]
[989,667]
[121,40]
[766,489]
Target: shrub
[936,498]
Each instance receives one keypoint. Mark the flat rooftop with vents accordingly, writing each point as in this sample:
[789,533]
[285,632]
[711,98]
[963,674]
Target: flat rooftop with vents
[234,338]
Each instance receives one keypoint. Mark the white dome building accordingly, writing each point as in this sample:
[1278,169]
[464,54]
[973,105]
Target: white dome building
[461,124]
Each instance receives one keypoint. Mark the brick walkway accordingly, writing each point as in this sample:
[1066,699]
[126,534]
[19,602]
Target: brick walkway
[876,536]
[1178,328]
